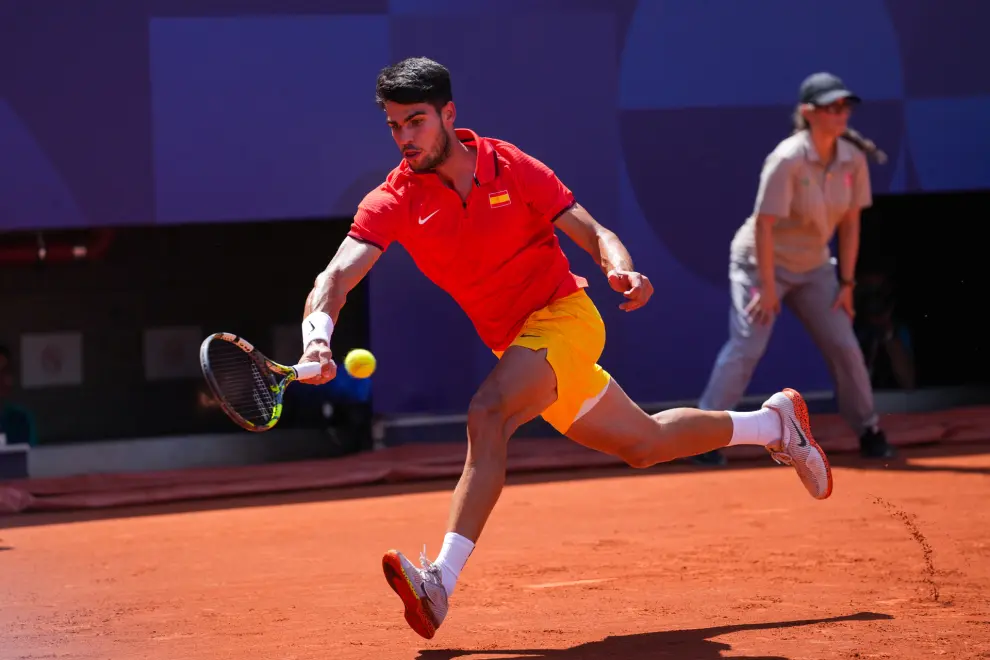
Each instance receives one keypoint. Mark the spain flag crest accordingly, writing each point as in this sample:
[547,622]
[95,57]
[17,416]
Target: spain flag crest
[500,198]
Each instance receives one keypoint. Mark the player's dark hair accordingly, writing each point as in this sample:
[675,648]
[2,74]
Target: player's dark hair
[414,80]
[851,135]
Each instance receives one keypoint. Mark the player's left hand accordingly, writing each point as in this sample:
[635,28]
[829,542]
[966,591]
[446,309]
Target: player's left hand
[636,287]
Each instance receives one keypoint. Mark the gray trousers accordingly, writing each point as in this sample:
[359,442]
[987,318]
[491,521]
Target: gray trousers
[810,297]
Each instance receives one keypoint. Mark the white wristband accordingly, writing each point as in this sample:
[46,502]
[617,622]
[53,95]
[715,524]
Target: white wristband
[317,325]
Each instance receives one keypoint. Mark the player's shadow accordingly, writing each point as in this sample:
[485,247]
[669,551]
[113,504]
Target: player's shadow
[698,644]
[5,547]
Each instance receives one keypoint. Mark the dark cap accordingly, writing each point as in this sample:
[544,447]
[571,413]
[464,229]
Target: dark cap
[823,89]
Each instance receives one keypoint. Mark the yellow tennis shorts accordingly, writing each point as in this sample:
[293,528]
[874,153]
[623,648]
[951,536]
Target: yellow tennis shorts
[572,331]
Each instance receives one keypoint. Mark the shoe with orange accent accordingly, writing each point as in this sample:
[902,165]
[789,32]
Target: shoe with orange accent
[421,590]
[797,446]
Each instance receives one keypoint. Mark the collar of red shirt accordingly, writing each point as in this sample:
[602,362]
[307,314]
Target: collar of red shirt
[486,166]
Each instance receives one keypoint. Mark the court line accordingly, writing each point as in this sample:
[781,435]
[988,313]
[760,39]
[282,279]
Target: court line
[552,585]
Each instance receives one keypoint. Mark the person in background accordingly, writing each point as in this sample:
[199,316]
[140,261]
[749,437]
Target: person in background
[813,186]
[16,423]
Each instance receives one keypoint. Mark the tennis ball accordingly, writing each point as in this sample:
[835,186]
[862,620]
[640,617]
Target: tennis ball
[360,363]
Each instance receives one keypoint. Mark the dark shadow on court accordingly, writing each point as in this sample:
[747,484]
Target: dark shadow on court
[904,462]
[442,484]
[842,460]
[696,644]
[4,548]
[909,467]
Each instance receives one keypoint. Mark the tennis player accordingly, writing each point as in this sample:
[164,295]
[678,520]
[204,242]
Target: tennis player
[478,216]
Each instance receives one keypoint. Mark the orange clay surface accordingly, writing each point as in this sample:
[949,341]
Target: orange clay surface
[673,562]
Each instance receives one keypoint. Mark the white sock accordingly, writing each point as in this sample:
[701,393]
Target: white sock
[453,555]
[760,427]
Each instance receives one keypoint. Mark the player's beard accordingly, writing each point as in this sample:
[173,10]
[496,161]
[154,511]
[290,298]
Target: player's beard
[436,156]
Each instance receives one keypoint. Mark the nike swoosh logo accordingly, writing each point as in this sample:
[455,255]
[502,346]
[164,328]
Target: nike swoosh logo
[423,221]
[804,440]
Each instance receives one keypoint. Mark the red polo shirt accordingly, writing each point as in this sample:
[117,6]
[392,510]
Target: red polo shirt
[496,254]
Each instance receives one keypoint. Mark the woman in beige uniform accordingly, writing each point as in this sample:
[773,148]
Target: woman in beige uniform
[813,185]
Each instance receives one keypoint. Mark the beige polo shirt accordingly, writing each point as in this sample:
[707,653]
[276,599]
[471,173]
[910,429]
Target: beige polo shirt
[807,198]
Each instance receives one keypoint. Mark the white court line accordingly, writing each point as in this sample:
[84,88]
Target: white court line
[754,512]
[551,585]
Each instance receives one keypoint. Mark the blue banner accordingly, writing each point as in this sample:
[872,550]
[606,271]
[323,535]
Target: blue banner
[657,114]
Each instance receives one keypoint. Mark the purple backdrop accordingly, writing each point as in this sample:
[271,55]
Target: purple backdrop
[657,114]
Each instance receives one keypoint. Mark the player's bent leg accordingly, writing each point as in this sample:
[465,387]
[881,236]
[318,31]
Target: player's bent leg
[617,426]
[520,387]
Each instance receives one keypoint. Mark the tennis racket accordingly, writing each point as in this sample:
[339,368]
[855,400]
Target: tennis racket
[248,385]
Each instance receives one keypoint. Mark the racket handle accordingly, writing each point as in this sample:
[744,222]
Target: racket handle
[306,370]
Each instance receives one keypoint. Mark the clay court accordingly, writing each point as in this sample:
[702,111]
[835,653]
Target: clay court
[605,562]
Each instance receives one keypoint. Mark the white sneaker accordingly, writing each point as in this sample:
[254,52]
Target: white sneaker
[797,447]
[421,590]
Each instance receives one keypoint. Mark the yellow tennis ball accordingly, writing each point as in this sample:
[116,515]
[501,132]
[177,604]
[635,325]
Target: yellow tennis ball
[360,363]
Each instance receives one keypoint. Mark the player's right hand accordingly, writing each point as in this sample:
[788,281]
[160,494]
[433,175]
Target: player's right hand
[318,351]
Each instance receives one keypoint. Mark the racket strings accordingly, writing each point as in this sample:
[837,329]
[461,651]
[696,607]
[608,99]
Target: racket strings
[245,386]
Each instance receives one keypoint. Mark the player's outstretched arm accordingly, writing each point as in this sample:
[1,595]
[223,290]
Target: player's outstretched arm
[345,271]
[610,254]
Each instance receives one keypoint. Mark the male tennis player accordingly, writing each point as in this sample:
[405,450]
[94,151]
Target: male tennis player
[478,216]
